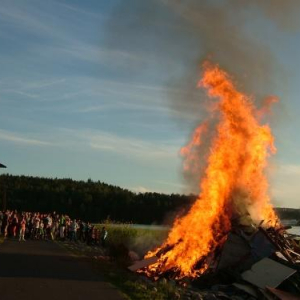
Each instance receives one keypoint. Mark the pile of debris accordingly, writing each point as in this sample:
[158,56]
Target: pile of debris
[255,262]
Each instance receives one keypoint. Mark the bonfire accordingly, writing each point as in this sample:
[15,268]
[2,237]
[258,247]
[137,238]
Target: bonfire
[234,184]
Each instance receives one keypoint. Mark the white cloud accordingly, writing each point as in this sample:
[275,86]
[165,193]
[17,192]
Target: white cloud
[125,146]
[67,43]
[29,95]
[141,189]
[28,18]
[20,139]
[31,88]
[131,146]
[80,11]
[178,186]
[42,83]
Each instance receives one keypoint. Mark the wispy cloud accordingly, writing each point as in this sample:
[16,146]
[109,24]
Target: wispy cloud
[125,146]
[28,17]
[65,41]
[171,184]
[118,95]
[29,88]
[94,54]
[134,147]
[29,95]
[20,139]
[80,10]
[100,141]
[142,189]
[42,83]
[98,94]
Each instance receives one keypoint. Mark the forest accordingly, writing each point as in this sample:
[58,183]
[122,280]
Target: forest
[90,200]
[96,201]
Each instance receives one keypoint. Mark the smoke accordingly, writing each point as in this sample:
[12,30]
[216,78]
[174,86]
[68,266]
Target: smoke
[141,244]
[220,27]
[174,37]
[225,31]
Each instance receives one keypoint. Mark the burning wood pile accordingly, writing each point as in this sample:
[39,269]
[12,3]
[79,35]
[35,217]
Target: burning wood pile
[222,240]
[253,262]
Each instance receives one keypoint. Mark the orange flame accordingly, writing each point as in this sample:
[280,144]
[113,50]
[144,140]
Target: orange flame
[234,182]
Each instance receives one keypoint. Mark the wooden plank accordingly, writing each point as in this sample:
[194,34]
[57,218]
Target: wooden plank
[143,263]
[267,272]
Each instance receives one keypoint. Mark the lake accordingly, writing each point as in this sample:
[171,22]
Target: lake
[294,230]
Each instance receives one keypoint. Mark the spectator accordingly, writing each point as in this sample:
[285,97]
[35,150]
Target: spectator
[14,224]
[39,226]
[22,230]
[103,236]
[73,230]
[62,226]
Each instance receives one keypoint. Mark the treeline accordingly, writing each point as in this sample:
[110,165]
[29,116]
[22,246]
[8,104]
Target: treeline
[288,213]
[97,201]
[89,200]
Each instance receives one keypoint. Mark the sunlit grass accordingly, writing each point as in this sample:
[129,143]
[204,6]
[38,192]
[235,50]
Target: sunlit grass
[139,240]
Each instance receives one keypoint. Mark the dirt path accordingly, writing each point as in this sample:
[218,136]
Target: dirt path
[43,270]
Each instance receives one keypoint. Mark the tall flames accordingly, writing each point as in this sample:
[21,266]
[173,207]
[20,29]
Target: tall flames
[234,183]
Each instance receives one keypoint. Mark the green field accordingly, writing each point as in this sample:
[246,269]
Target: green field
[134,238]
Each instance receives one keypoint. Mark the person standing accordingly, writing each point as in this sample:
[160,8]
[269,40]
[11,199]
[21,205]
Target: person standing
[62,226]
[103,236]
[73,231]
[14,224]
[22,230]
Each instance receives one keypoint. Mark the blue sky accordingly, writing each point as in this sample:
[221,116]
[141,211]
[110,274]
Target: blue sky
[87,90]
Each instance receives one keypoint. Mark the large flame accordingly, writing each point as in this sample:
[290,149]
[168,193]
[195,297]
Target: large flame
[234,182]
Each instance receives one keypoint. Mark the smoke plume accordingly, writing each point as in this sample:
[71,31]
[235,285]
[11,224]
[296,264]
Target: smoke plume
[176,36]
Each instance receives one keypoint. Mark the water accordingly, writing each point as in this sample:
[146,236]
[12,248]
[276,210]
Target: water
[294,230]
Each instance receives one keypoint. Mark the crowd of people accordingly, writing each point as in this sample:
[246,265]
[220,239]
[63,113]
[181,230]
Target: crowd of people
[49,226]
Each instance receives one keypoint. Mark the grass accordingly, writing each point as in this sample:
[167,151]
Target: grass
[121,239]
[139,240]
[135,286]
